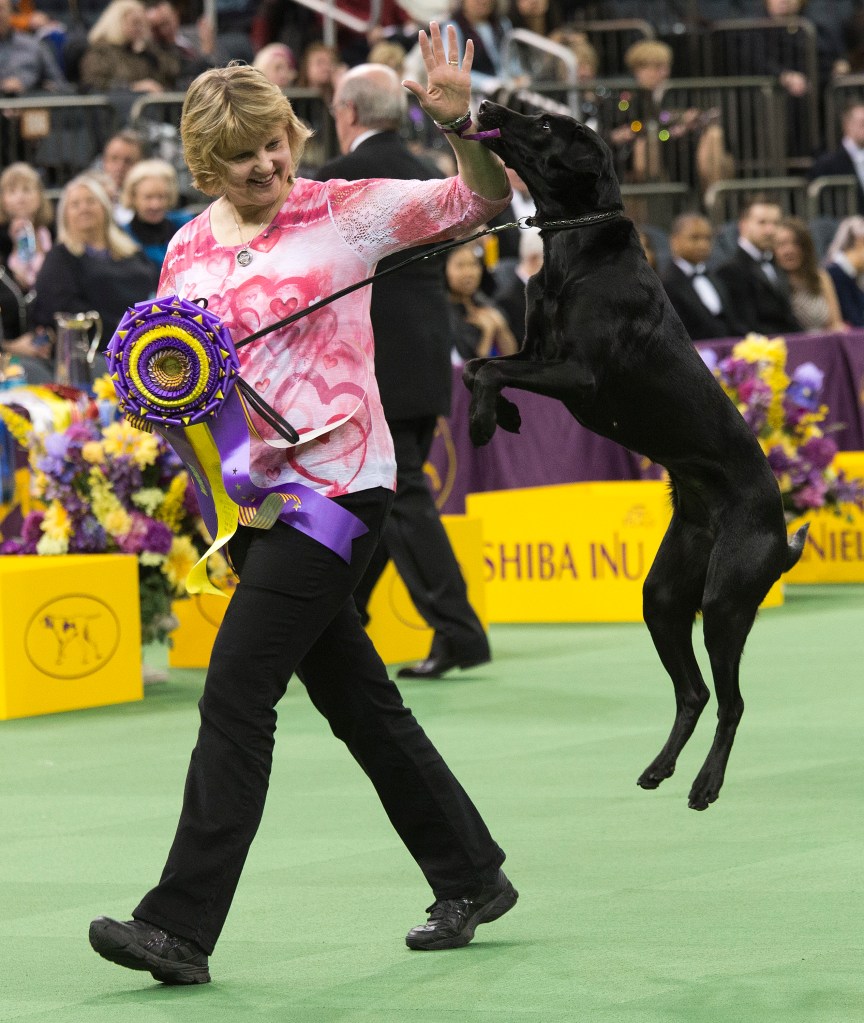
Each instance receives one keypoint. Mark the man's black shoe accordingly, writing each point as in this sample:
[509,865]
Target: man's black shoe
[437,665]
[452,922]
[141,946]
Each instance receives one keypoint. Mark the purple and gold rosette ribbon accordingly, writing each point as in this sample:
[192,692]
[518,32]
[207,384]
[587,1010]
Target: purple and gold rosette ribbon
[175,370]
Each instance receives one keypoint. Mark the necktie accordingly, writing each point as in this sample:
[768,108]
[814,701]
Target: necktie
[768,267]
[705,290]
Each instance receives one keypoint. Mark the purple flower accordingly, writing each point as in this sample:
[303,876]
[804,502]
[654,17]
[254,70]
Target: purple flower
[806,386]
[779,461]
[31,527]
[819,452]
[56,445]
[146,534]
[709,357]
[812,495]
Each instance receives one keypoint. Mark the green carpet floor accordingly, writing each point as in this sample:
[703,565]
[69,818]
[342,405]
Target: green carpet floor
[633,907]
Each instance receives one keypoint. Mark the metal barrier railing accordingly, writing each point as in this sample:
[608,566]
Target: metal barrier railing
[759,46]
[833,195]
[841,91]
[543,60]
[657,204]
[61,135]
[332,16]
[724,200]
[611,39]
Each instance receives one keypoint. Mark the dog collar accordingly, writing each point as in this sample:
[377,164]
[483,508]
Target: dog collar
[563,225]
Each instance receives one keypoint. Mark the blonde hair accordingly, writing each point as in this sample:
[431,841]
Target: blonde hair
[228,110]
[155,168]
[24,174]
[646,52]
[108,27]
[271,50]
[120,244]
[387,52]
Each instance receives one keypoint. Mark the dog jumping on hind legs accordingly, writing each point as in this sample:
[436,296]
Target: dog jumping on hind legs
[602,338]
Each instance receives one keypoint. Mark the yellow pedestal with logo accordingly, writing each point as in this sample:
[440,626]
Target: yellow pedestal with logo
[395,627]
[575,552]
[70,633]
[834,552]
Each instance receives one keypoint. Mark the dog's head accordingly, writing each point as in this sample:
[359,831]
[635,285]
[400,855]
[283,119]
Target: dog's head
[567,167]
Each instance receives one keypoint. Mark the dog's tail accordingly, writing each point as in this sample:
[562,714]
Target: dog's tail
[796,546]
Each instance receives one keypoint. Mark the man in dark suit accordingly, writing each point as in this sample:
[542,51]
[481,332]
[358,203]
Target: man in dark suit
[698,296]
[758,291]
[410,319]
[848,158]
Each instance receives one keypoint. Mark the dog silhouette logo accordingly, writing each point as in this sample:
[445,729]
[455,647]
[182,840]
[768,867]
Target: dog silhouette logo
[72,636]
[441,468]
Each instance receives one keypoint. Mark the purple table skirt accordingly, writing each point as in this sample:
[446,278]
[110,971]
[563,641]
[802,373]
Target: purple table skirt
[553,448]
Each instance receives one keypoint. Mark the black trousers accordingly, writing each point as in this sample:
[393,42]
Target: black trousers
[293,610]
[416,540]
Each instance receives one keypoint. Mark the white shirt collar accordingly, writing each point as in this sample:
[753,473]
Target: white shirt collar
[362,138]
[854,151]
[752,250]
[842,261]
[689,268]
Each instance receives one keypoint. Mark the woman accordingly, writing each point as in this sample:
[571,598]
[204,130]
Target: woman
[277,64]
[845,264]
[120,54]
[150,190]
[25,238]
[94,265]
[479,328]
[272,242]
[814,299]
[483,22]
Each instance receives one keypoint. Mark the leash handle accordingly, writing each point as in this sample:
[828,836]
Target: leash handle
[444,247]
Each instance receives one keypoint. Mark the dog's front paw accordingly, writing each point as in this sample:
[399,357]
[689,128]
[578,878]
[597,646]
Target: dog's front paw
[470,371]
[507,415]
[481,430]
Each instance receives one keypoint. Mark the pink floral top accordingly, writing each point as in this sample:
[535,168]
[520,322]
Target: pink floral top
[318,373]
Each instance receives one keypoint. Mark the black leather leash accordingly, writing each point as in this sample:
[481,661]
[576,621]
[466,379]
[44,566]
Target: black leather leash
[523,223]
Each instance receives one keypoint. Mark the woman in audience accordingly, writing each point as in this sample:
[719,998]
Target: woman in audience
[845,262]
[25,238]
[150,191]
[120,54]
[483,22]
[94,265]
[479,327]
[814,299]
[276,62]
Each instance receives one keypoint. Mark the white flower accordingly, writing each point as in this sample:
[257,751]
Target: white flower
[148,499]
[151,558]
[52,545]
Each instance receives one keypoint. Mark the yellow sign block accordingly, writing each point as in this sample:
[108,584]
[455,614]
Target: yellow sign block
[576,552]
[395,627]
[70,633]
[200,617]
[834,552]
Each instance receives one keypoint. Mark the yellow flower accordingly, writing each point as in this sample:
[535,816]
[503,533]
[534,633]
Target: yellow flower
[123,439]
[103,388]
[179,563]
[93,452]
[19,426]
[757,348]
[172,509]
[56,524]
[148,499]
[48,545]
[116,521]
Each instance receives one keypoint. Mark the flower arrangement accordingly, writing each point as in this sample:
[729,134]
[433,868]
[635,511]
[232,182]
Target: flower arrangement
[788,418]
[102,486]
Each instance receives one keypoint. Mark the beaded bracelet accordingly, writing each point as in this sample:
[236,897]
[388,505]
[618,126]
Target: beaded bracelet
[461,125]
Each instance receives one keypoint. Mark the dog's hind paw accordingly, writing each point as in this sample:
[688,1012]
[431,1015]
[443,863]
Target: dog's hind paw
[654,774]
[507,415]
[704,793]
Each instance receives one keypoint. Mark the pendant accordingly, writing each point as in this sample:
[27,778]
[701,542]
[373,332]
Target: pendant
[244,257]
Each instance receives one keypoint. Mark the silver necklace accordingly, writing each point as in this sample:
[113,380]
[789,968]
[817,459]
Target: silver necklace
[244,256]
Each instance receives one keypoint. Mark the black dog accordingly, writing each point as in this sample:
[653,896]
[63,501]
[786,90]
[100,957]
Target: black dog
[603,339]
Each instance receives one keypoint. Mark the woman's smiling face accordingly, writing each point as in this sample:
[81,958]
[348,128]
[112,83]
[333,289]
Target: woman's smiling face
[255,180]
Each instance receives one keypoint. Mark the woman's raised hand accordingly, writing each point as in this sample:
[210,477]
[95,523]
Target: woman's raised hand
[448,88]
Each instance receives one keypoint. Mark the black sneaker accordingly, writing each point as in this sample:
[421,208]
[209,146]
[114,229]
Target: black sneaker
[452,922]
[141,946]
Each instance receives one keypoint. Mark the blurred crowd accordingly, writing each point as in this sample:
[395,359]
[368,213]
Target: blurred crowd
[94,241]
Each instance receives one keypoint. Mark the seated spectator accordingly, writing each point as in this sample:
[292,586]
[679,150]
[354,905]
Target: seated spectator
[656,144]
[119,155]
[192,56]
[121,56]
[845,263]
[511,298]
[276,62]
[848,158]
[542,17]
[94,265]
[25,238]
[26,64]
[480,21]
[698,296]
[648,249]
[151,192]
[319,67]
[758,291]
[814,299]
[478,326]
